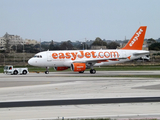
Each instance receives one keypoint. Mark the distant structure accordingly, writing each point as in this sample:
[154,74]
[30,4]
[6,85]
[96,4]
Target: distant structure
[29,41]
[2,43]
[98,47]
[10,40]
[14,40]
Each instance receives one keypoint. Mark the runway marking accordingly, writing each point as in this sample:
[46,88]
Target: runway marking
[78,102]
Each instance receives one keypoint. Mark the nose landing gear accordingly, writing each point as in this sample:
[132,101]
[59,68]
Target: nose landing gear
[47,72]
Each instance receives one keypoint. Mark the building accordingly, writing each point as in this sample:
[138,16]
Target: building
[8,40]
[13,39]
[29,41]
[2,43]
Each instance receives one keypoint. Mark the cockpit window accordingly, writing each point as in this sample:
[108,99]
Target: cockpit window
[38,56]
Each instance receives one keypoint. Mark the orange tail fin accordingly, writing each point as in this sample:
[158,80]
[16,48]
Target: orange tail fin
[136,42]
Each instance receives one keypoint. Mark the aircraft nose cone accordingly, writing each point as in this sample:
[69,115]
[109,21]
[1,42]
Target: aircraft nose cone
[30,62]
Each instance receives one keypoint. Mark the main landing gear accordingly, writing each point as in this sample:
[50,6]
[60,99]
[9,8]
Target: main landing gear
[92,71]
[47,72]
[81,71]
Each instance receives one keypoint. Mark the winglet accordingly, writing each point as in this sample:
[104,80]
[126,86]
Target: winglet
[136,42]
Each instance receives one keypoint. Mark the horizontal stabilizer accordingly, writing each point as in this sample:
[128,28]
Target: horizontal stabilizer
[141,53]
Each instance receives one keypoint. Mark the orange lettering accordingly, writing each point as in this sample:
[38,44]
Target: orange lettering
[87,55]
[74,55]
[101,56]
[93,54]
[82,54]
[55,55]
[61,56]
[106,54]
[68,56]
[114,54]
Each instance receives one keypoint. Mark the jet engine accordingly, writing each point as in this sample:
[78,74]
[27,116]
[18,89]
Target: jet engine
[77,67]
[60,68]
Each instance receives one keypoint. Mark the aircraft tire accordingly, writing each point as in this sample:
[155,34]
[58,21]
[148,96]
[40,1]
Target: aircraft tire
[46,72]
[81,71]
[92,71]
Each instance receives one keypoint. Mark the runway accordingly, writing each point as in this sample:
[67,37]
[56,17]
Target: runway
[73,95]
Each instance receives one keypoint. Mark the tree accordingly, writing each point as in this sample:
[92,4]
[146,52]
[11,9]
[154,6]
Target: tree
[151,41]
[18,48]
[31,48]
[69,45]
[99,42]
[51,46]
[7,45]
[44,47]
[113,45]
[66,45]
[154,46]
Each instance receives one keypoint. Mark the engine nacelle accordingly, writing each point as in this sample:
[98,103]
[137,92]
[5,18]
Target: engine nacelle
[76,67]
[60,68]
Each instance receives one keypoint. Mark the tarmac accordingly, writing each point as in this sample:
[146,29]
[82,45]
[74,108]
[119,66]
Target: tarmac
[68,85]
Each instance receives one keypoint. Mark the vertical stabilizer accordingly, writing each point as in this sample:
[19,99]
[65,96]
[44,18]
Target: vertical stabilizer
[136,42]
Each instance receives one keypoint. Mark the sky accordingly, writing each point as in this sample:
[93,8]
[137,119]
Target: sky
[62,20]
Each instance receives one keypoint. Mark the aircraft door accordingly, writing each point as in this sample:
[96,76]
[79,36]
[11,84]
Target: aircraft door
[49,57]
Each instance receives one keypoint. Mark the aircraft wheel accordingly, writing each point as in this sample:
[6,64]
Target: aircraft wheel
[92,71]
[81,71]
[46,72]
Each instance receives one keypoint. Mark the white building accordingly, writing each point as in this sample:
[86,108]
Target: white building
[13,39]
[2,43]
[29,41]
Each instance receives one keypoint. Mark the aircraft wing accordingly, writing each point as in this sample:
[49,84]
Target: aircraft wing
[96,60]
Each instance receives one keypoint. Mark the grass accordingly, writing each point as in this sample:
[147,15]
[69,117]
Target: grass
[106,68]
[94,119]
[111,119]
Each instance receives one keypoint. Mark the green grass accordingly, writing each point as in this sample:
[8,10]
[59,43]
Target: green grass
[93,119]
[106,68]
[111,119]
[131,76]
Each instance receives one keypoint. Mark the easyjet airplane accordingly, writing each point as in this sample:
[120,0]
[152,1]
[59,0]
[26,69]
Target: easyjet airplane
[80,60]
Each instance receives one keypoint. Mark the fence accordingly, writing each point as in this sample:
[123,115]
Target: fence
[16,59]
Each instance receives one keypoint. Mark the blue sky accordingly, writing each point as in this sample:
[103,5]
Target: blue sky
[73,20]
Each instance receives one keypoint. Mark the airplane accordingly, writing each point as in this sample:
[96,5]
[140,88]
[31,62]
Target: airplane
[80,60]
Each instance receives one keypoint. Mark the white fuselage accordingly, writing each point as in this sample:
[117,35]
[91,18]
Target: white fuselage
[66,58]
